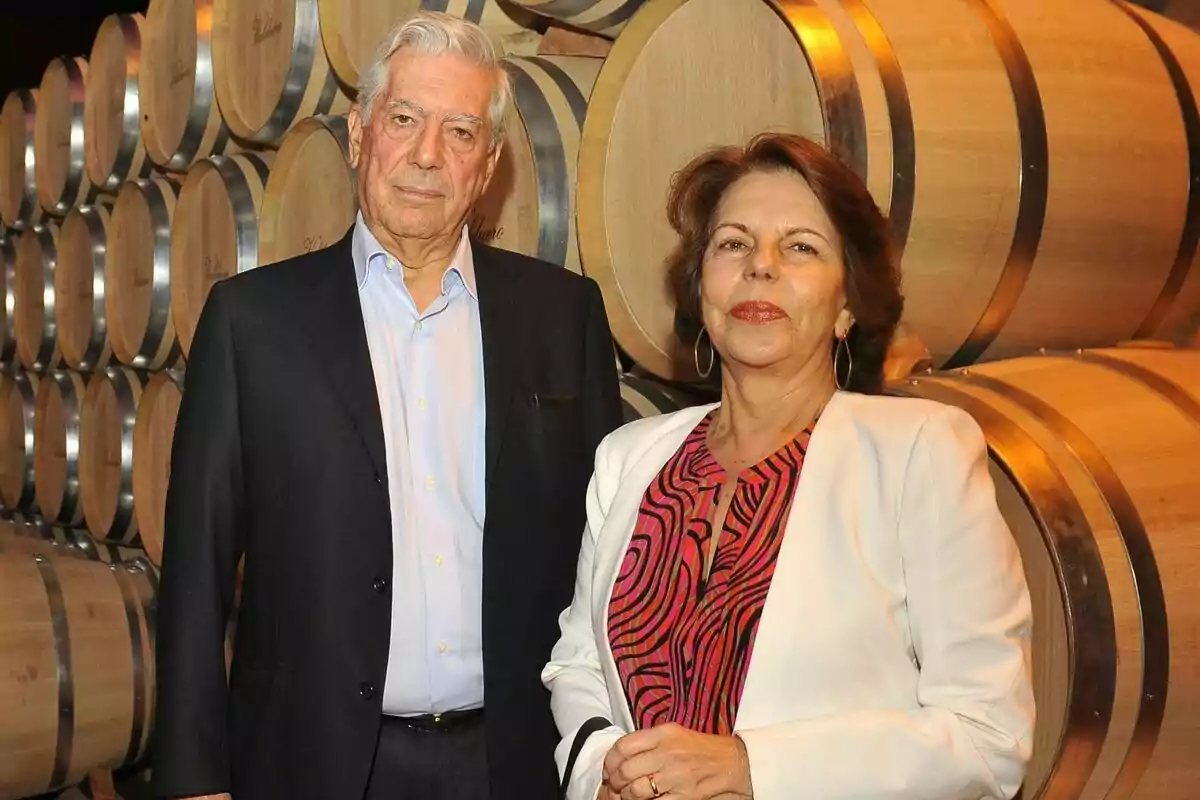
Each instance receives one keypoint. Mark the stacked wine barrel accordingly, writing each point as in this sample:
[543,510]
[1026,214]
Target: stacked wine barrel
[1043,157]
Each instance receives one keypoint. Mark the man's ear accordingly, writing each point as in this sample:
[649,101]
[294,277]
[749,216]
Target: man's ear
[355,123]
[492,161]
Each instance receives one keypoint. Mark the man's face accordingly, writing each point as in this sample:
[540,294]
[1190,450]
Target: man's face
[425,157]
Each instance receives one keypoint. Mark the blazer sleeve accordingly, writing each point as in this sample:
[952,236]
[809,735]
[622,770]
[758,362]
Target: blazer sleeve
[970,735]
[577,687]
[203,541]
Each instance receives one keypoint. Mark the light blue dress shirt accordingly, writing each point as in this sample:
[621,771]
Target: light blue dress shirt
[429,375]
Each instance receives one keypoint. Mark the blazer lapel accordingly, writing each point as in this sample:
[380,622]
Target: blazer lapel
[613,539]
[502,327]
[813,511]
[336,331]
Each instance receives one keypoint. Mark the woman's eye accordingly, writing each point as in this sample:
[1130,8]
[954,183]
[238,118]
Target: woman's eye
[734,245]
[805,248]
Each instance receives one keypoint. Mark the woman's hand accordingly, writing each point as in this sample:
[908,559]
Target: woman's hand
[681,764]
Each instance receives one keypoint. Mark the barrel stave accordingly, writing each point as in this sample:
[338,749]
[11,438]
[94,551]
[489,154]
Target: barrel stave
[311,197]
[1122,463]
[137,287]
[153,434]
[181,121]
[112,121]
[215,233]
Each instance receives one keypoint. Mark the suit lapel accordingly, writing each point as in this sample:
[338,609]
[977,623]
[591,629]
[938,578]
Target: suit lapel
[501,324]
[336,332]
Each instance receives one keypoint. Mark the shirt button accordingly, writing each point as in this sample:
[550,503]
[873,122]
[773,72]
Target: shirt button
[366,691]
[422,403]
[379,585]
[438,560]
[430,483]
[378,479]
[417,327]
[442,647]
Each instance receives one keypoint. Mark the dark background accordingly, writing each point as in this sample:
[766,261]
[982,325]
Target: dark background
[34,31]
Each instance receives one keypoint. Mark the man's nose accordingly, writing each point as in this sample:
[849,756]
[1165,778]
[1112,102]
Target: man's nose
[427,154]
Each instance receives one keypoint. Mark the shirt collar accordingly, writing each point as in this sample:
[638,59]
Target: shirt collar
[365,247]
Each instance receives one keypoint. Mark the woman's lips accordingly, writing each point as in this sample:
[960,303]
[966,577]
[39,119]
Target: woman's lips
[758,312]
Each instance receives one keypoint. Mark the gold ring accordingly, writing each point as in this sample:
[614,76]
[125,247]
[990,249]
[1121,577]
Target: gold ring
[654,786]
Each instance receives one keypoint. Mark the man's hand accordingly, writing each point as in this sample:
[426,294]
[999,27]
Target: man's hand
[679,763]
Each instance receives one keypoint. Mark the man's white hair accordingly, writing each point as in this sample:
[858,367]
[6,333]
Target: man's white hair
[434,33]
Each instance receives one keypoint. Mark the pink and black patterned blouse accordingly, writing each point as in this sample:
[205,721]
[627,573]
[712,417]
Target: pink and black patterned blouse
[682,644]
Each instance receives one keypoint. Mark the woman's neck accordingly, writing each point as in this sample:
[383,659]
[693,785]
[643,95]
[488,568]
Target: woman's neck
[760,412]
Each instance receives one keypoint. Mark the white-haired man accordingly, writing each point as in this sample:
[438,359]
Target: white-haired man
[396,433]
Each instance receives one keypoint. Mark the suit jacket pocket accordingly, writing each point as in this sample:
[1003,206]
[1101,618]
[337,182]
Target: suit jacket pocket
[552,400]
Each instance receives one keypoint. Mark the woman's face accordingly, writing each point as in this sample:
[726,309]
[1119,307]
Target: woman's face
[771,290]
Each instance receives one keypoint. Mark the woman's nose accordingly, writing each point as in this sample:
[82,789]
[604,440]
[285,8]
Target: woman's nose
[763,264]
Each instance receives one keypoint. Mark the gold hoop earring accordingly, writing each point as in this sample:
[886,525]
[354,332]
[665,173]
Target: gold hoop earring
[837,359]
[712,356]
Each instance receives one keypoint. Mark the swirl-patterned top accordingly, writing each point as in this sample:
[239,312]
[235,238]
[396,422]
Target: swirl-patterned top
[682,640]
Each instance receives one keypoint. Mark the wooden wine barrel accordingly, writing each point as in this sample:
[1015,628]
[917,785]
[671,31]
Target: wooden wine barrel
[19,205]
[18,402]
[529,206]
[27,540]
[153,433]
[181,121]
[79,643]
[58,142]
[353,32]
[8,262]
[108,552]
[33,536]
[1093,456]
[104,784]
[10,517]
[269,67]
[645,397]
[215,232]
[1032,250]
[25,524]
[57,541]
[79,287]
[57,408]
[605,17]
[137,274]
[106,458]
[112,121]
[559,40]
[1176,312]
[34,319]
[311,196]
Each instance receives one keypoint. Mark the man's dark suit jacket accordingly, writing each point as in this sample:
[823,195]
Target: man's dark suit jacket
[279,454]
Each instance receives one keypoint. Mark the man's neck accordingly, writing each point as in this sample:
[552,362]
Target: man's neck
[424,261]
[432,255]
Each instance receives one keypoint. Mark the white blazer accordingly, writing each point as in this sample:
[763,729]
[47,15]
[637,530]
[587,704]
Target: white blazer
[891,659]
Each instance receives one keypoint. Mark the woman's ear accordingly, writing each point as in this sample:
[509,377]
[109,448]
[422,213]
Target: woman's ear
[843,324]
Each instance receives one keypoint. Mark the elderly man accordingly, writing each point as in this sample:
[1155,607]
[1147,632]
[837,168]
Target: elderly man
[397,433]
